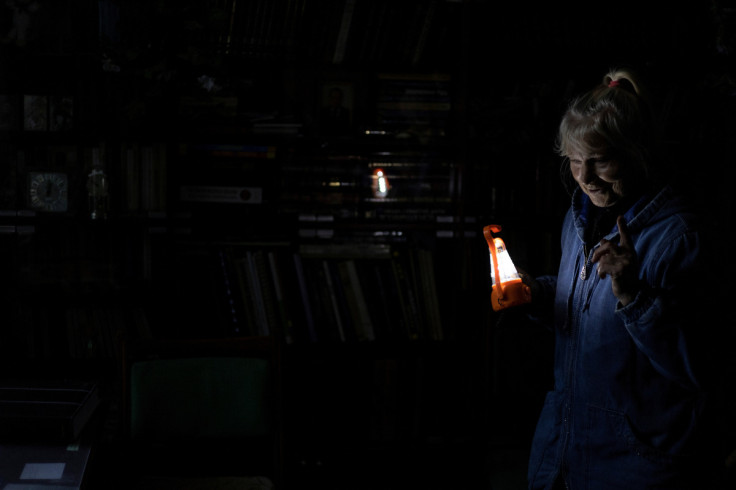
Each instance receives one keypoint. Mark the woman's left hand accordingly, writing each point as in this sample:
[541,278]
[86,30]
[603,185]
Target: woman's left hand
[620,262]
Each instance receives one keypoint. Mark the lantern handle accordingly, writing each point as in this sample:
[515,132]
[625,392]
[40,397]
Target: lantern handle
[492,248]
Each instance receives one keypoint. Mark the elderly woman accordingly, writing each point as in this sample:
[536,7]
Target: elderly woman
[631,400]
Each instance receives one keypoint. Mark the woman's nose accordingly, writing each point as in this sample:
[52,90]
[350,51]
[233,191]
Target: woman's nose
[587,174]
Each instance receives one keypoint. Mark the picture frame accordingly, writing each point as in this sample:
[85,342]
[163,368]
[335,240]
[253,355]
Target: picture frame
[336,112]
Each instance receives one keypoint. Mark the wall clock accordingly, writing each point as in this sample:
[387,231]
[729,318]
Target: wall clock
[48,191]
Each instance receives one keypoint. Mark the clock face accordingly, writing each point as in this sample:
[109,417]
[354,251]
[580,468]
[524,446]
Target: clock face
[48,191]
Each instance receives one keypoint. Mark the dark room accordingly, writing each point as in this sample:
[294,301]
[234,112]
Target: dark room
[367,245]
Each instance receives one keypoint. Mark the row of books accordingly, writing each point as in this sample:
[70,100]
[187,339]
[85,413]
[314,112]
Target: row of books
[339,31]
[137,177]
[416,187]
[36,112]
[143,175]
[333,293]
[418,104]
[78,331]
[95,333]
[373,188]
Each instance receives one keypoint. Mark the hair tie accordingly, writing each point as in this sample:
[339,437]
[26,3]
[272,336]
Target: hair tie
[613,83]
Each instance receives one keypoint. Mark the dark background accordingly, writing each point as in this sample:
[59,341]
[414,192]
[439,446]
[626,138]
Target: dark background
[460,409]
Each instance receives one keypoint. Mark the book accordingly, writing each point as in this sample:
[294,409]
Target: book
[430,298]
[360,250]
[255,285]
[334,302]
[95,333]
[284,128]
[305,299]
[221,194]
[130,176]
[360,314]
[413,107]
[233,314]
[424,33]
[268,296]
[230,150]
[343,300]
[153,176]
[371,274]
[280,294]
[407,300]
[417,300]
[328,319]
[344,32]
[414,102]
[247,317]
[143,176]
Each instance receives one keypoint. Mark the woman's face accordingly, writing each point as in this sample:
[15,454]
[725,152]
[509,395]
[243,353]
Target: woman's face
[598,175]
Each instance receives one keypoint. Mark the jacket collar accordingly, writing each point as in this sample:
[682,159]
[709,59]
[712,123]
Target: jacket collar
[637,216]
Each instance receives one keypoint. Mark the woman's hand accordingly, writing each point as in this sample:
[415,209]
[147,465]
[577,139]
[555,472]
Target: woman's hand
[532,283]
[621,263]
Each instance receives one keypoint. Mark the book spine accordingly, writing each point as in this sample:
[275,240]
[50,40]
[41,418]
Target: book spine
[249,321]
[258,301]
[333,300]
[304,293]
[344,32]
[285,322]
[429,294]
[406,298]
[364,323]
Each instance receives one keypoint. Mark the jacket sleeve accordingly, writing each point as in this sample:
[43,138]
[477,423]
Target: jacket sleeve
[543,299]
[663,318]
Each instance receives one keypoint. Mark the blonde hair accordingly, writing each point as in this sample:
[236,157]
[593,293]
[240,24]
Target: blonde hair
[614,118]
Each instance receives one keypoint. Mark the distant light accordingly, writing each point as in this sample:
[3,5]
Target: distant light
[380,184]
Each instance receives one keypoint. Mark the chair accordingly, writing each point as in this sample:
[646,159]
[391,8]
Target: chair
[204,414]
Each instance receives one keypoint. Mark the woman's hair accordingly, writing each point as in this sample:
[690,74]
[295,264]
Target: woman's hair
[614,118]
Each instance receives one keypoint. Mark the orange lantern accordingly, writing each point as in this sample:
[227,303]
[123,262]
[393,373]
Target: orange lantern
[507,288]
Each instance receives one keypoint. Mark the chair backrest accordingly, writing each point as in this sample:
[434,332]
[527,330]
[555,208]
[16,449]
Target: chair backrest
[199,398]
[206,406]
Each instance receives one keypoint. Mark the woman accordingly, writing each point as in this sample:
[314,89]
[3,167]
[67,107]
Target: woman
[630,404]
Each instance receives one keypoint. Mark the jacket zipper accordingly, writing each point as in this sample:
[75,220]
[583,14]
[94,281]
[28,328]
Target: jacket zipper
[572,352]
[584,272]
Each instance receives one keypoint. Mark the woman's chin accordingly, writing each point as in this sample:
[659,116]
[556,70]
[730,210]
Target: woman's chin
[602,198]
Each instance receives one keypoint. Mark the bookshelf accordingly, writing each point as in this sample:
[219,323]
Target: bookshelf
[236,208]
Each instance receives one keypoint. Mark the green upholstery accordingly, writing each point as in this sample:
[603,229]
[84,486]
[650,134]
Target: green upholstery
[199,398]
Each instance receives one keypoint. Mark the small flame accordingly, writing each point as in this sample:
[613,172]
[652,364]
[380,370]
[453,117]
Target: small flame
[380,184]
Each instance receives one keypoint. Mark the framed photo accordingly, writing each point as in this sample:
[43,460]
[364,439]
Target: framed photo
[35,112]
[336,109]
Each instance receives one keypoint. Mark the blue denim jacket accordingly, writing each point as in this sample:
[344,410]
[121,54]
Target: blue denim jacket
[629,397]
